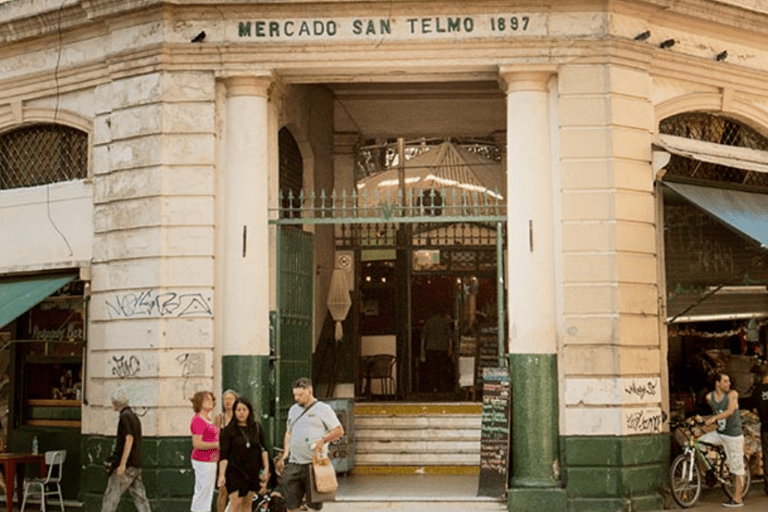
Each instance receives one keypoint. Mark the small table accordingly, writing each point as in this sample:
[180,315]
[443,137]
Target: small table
[10,461]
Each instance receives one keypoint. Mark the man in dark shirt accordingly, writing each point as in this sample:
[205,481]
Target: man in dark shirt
[437,353]
[127,474]
[762,410]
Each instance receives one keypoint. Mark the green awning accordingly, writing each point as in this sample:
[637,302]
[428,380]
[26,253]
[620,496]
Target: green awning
[19,295]
[746,212]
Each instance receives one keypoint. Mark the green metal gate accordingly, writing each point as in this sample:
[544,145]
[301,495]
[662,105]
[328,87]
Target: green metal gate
[293,319]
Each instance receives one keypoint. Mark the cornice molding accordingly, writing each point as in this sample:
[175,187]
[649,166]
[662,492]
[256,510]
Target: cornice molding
[349,64]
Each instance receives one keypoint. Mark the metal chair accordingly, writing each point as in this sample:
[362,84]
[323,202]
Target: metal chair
[50,485]
[381,367]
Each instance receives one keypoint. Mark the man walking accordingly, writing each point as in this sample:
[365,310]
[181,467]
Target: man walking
[311,425]
[725,404]
[437,353]
[762,411]
[127,474]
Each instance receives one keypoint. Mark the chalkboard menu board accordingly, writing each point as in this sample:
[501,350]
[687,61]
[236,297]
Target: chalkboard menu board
[494,437]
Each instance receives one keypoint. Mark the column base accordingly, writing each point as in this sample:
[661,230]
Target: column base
[536,500]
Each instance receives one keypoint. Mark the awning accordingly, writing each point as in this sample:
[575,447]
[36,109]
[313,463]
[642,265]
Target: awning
[746,212]
[19,295]
[728,303]
[719,154]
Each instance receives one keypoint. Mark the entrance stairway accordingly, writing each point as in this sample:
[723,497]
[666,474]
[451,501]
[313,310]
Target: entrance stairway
[417,438]
[415,457]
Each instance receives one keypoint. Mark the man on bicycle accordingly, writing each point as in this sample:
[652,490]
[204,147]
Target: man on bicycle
[725,404]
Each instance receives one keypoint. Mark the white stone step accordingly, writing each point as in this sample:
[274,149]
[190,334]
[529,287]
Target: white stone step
[435,422]
[417,435]
[432,445]
[417,459]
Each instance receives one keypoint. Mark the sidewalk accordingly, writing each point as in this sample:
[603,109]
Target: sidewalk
[712,500]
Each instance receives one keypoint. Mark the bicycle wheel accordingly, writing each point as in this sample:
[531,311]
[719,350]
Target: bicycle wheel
[686,481]
[729,480]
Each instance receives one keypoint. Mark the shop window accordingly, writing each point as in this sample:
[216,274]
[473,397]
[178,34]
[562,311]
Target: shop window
[42,153]
[48,351]
[716,129]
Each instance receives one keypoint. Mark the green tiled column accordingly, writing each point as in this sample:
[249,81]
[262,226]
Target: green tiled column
[605,473]
[249,376]
[535,477]
[166,473]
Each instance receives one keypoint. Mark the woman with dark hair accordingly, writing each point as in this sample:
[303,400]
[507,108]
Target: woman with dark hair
[205,450]
[243,457]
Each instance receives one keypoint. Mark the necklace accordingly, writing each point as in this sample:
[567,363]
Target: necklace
[247,439]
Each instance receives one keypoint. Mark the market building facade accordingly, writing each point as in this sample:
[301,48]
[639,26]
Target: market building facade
[178,181]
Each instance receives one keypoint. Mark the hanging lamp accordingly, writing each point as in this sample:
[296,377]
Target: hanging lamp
[339,300]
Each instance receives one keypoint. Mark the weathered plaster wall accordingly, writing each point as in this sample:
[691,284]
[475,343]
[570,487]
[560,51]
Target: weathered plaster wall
[151,309]
[57,227]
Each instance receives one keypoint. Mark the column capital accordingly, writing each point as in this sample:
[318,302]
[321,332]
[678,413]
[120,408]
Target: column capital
[248,85]
[514,79]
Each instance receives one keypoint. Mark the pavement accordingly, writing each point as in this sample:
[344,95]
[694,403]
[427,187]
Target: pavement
[712,500]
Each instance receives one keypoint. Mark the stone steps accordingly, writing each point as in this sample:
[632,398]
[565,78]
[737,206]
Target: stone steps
[423,437]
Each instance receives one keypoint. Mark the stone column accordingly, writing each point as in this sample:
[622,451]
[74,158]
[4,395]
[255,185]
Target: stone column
[534,478]
[246,272]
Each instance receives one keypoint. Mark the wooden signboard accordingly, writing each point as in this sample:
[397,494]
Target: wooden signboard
[494,437]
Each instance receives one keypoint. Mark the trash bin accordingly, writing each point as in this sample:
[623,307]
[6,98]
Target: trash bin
[342,451]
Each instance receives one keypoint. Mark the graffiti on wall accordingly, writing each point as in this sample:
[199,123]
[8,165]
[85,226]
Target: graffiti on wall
[644,421]
[125,366]
[152,304]
[192,364]
[641,388]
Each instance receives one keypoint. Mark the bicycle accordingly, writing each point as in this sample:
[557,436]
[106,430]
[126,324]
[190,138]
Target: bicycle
[686,470]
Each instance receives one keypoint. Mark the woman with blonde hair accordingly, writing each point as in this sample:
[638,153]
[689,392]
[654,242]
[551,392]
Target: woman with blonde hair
[205,450]
[222,420]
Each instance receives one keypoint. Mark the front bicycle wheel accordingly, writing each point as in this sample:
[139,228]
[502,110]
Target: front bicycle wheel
[729,479]
[685,478]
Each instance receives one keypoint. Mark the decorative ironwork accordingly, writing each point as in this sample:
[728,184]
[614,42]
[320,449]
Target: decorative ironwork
[718,129]
[343,207]
[373,158]
[42,153]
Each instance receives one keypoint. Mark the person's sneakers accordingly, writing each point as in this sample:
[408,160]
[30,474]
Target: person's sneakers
[733,504]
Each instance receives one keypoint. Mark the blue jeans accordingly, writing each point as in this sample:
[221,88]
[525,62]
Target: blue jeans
[117,485]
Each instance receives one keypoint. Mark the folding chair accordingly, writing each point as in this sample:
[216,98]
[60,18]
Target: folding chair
[50,485]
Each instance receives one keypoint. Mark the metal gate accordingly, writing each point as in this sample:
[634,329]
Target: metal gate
[293,320]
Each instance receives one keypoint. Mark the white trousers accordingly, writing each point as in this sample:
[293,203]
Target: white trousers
[205,482]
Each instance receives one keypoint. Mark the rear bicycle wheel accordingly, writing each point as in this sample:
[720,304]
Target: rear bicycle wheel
[729,479]
[685,480]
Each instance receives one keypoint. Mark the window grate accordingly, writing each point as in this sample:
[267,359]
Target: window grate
[713,128]
[42,153]
[708,127]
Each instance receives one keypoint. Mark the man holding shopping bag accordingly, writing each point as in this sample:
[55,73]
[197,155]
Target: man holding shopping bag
[311,425]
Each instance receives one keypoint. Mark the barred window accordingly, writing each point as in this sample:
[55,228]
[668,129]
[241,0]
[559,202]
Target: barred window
[42,153]
[718,129]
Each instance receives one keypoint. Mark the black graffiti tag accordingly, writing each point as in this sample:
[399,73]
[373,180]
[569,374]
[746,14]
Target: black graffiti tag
[639,422]
[147,303]
[123,367]
[649,388]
